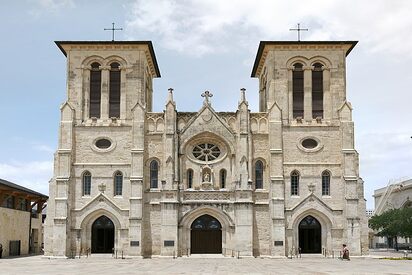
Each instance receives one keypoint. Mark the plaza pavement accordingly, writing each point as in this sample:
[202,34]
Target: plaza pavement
[105,264]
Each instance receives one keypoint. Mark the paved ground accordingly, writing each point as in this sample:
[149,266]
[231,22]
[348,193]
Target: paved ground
[107,265]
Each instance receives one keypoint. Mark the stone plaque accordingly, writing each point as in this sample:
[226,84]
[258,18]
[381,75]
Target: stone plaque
[169,243]
[134,243]
[278,243]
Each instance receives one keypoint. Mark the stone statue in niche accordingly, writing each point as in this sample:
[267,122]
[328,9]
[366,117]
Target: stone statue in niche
[206,181]
[206,177]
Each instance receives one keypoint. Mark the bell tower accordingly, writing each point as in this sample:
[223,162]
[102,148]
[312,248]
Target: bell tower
[101,141]
[302,87]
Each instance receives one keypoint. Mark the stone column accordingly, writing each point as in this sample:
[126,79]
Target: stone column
[307,88]
[262,99]
[123,92]
[354,210]
[277,188]
[169,203]
[136,182]
[135,215]
[86,92]
[104,103]
[327,98]
[57,229]
[290,95]
[169,138]
[243,143]
[244,223]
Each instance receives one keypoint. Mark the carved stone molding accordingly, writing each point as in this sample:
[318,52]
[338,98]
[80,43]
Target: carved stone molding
[206,196]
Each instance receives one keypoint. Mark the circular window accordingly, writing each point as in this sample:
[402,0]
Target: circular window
[309,143]
[206,152]
[103,143]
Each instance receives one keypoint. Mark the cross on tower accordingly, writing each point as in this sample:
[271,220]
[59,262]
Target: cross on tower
[206,95]
[298,29]
[113,29]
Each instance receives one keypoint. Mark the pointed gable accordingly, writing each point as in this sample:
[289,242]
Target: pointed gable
[207,120]
[345,111]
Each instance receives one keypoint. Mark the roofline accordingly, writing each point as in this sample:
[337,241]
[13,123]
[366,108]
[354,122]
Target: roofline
[22,188]
[148,43]
[262,45]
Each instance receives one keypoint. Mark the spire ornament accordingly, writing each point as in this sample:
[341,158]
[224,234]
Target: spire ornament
[206,95]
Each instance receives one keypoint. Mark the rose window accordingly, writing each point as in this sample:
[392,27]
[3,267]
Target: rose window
[206,152]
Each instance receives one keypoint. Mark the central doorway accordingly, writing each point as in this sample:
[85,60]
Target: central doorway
[310,234]
[206,236]
[102,235]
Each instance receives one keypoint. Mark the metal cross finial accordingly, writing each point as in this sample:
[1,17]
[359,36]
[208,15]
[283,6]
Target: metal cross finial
[113,29]
[298,29]
[206,95]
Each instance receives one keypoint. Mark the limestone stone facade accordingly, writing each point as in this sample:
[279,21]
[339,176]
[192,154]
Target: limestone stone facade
[267,182]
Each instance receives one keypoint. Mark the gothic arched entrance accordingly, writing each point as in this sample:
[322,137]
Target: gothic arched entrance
[310,236]
[102,235]
[206,236]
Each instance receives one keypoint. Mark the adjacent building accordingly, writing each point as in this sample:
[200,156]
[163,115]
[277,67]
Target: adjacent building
[397,194]
[266,183]
[21,223]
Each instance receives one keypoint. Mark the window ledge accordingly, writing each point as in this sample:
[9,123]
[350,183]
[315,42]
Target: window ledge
[261,190]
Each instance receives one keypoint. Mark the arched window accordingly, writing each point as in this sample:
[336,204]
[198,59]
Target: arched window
[294,183]
[190,178]
[317,91]
[154,173]
[118,183]
[325,183]
[114,92]
[95,90]
[87,183]
[258,174]
[222,177]
[297,86]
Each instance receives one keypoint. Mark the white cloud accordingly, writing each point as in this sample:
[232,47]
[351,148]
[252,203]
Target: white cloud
[34,175]
[201,27]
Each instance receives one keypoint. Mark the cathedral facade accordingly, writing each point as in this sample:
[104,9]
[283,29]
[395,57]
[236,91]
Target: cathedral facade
[273,183]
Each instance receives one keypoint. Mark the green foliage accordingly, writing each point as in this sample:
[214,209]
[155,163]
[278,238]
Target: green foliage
[393,223]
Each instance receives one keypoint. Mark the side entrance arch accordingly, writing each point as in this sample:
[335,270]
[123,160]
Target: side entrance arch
[102,235]
[310,235]
[206,236]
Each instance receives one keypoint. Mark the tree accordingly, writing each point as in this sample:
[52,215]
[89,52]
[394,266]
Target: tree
[393,223]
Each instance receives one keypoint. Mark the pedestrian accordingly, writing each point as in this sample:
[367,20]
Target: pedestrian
[345,252]
[1,250]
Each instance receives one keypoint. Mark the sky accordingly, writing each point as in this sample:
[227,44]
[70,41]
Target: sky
[205,45]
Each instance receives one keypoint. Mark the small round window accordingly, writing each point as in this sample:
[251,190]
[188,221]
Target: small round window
[309,143]
[206,152]
[103,143]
